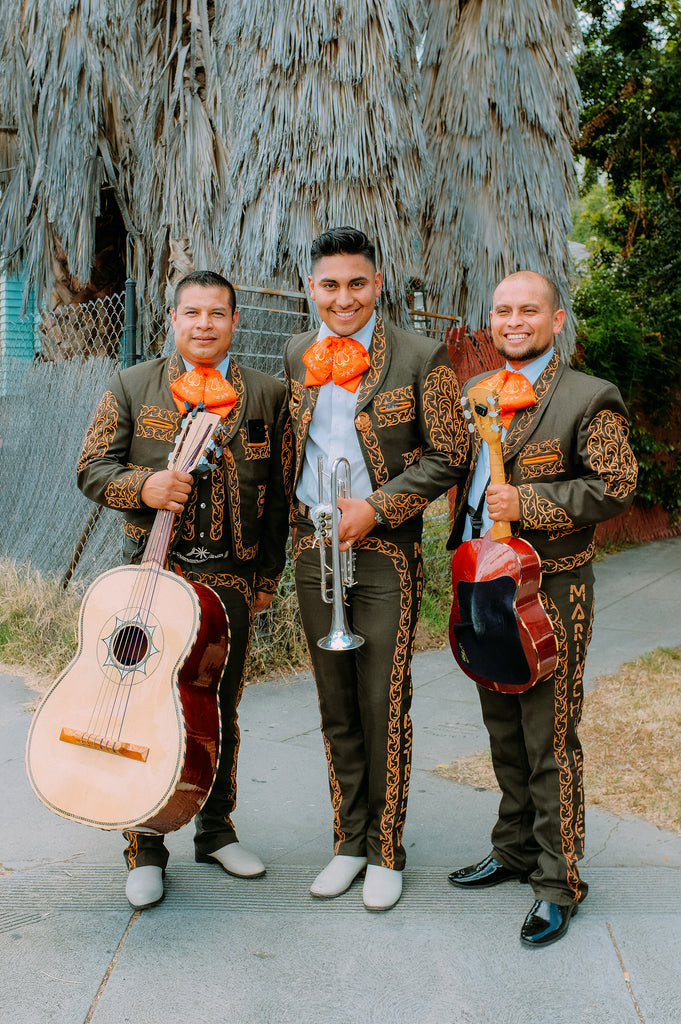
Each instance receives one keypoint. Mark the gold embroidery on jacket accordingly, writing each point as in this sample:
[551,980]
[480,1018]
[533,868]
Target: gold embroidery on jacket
[102,430]
[378,353]
[124,492]
[188,518]
[232,481]
[553,565]
[235,412]
[443,414]
[394,407]
[373,450]
[541,514]
[221,579]
[217,518]
[610,454]
[412,457]
[540,459]
[396,508]
[157,424]
[136,533]
[523,419]
[287,459]
[261,450]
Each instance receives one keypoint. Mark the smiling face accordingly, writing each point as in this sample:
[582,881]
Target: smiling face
[523,319]
[345,288]
[204,324]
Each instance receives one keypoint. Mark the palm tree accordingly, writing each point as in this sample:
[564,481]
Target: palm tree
[119,116]
[500,111]
[326,132]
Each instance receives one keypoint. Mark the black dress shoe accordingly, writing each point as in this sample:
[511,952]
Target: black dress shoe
[546,923]
[488,872]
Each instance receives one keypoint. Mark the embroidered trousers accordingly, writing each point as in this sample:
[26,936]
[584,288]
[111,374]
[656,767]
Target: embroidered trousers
[537,755]
[365,694]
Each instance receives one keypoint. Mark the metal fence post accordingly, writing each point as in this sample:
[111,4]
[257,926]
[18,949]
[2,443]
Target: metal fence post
[130,329]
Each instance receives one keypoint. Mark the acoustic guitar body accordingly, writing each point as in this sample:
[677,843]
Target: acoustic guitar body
[129,734]
[499,631]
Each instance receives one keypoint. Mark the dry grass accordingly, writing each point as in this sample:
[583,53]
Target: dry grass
[631,734]
[37,622]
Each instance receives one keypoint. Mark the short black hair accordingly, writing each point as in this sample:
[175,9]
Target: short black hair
[344,241]
[205,279]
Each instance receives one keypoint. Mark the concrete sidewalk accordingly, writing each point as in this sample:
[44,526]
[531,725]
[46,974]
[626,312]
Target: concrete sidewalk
[225,951]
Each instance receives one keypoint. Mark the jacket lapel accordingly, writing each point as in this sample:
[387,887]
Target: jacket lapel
[381,352]
[526,422]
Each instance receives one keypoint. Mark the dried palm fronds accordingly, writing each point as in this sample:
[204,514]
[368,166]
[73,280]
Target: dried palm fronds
[326,132]
[61,77]
[500,112]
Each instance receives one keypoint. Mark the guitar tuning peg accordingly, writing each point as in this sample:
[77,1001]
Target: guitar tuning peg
[464,401]
[471,427]
[467,413]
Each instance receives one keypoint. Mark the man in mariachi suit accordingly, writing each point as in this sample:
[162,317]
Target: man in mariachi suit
[568,466]
[233,523]
[388,401]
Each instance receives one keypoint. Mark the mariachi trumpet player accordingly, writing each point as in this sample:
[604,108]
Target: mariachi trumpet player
[387,401]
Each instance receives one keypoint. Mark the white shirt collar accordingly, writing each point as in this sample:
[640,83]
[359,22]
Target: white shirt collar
[533,370]
[364,336]
[222,366]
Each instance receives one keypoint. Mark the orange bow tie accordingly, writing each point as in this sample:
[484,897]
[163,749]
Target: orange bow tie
[342,360]
[514,390]
[204,384]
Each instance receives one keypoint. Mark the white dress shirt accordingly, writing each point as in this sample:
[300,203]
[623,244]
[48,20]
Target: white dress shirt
[481,473]
[332,434]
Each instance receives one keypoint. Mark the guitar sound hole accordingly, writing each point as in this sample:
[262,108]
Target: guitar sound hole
[130,645]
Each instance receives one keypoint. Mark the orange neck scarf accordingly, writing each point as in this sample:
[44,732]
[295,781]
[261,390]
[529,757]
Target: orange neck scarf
[342,360]
[514,390]
[204,384]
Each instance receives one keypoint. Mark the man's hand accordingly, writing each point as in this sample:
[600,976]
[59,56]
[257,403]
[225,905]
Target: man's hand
[357,520]
[168,489]
[262,601]
[503,503]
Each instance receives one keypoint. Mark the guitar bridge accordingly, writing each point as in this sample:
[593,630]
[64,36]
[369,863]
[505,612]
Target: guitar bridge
[105,744]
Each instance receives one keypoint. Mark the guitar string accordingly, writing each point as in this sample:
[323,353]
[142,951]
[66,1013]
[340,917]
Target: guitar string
[111,689]
[140,605]
[189,460]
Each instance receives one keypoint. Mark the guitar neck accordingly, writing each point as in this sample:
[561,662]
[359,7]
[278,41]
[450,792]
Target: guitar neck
[497,475]
[156,551]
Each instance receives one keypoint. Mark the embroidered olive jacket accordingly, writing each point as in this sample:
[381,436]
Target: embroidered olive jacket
[408,419]
[240,509]
[570,458]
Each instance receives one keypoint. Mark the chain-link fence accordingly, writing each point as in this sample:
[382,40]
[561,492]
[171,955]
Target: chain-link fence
[46,521]
[96,328]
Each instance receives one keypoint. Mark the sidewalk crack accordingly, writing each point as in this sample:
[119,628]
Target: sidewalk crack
[625,975]
[112,963]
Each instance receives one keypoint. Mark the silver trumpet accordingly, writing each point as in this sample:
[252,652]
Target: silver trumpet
[336,579]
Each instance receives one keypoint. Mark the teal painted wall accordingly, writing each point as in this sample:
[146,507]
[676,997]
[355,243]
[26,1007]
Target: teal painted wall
[18,337]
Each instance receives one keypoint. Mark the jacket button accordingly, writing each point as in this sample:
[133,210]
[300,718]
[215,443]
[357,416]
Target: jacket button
[363,421]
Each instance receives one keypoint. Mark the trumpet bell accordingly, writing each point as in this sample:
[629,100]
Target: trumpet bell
[340,640]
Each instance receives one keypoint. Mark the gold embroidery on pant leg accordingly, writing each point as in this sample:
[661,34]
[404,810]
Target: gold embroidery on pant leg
[336,796]
[571,809]
[398,753]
